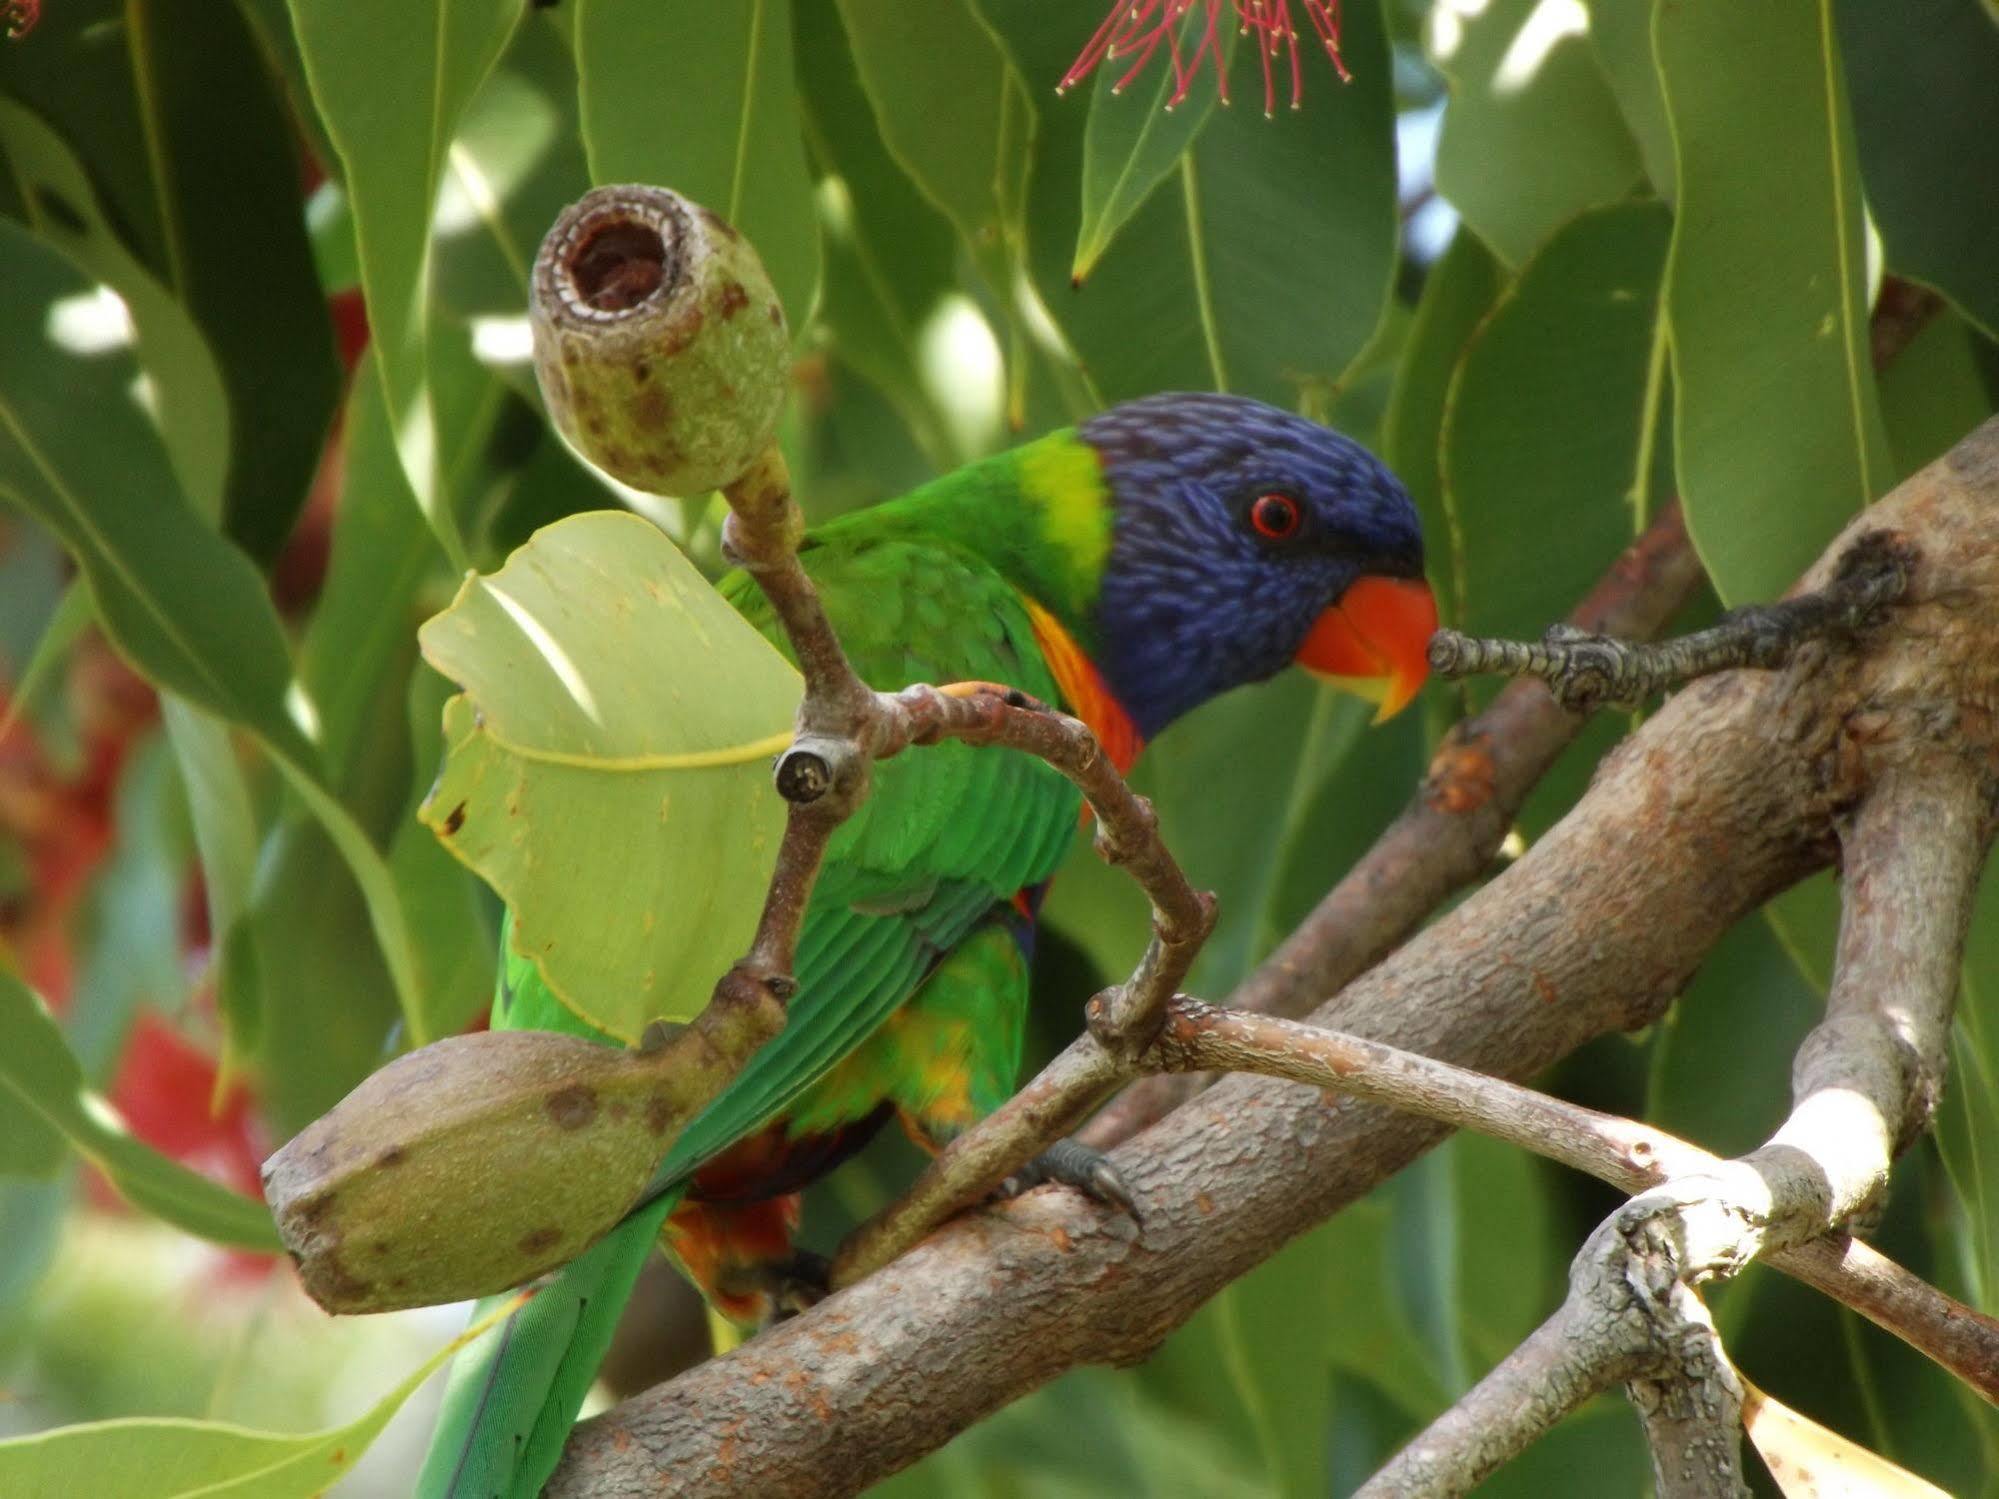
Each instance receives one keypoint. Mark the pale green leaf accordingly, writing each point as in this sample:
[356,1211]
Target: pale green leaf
[1532,135]
[945,104]
[41,1082]
[173,1458]
[607,769]
[1778,427]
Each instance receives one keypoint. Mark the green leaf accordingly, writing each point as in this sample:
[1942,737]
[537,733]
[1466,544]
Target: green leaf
[946,105]
[1457,295]
[702,98]
[236,249]
[1132,143]
[607,768]
[41,1081]
[182,603]
[186,605]
[1262,267]
[1968,1119]
[1621,33]
[391,81]
[516,163]
[172,1458]
[890,255]
[1933,394]
[1924,75]
[33,1212]
[1426,1221]
[75,71]
[1552,418]
[1779,433]
[63,208]
[1532,134]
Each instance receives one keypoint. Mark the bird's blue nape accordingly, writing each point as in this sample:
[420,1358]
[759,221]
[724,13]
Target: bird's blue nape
[1194,601]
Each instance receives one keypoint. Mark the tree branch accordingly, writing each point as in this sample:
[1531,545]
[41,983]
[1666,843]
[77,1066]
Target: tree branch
[1726,795]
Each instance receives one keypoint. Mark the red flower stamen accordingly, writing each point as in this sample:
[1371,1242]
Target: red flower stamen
[1135,28]
[18,17]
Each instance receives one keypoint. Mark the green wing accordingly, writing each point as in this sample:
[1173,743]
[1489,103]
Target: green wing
[948,832]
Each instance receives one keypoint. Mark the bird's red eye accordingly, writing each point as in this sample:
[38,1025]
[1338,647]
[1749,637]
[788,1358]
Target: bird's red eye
[1274,516]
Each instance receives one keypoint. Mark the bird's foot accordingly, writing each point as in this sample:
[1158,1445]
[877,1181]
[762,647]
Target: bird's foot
[1075,1165]
[784,1287]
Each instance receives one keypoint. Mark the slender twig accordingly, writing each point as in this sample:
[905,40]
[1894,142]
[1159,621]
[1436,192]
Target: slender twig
[1623,1152]
[1588,671]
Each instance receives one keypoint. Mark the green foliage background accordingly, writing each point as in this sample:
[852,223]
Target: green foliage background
[1674,217]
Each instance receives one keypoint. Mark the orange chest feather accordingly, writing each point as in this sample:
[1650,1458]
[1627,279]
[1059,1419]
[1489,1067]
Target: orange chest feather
[1088,695]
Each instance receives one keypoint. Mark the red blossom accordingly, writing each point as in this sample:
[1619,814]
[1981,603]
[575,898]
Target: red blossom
[1137,29]
[18,17]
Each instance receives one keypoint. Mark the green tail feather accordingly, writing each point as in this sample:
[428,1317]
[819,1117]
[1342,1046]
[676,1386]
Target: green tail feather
[513,1396]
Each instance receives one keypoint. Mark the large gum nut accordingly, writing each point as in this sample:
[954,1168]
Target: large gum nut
[660,346]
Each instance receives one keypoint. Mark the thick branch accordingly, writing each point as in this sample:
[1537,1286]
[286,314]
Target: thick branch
[1865,1082]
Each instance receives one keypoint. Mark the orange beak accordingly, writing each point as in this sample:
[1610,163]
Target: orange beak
[1374,642]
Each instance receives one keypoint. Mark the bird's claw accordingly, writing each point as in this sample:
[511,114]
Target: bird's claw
[786,1287]
[1075,1165]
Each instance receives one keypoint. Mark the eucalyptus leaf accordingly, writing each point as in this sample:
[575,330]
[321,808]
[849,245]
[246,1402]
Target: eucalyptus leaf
[236,250]
[181,602]
[682,93]
[1779,433]
[945,103]
[1924,77]
[608,766]
[890,257]
[391,82]
[1532,135]
[1133,143]
[173,1458]
[1552,420]
[41,1082]
[1262,266]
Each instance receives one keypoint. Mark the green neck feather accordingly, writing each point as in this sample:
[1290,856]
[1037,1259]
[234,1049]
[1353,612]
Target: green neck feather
[1040,514]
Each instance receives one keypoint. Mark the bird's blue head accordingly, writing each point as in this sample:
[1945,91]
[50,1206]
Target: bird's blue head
[1245,538]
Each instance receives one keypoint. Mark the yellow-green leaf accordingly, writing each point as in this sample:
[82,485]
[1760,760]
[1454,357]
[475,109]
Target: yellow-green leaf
[172,1458]
[1810,1462]
[607,768]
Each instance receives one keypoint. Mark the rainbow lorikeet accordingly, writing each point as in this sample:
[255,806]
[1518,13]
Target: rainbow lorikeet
[1129,570]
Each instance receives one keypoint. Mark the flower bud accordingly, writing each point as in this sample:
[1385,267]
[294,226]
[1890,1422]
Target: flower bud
[469,1167]
[660,346]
